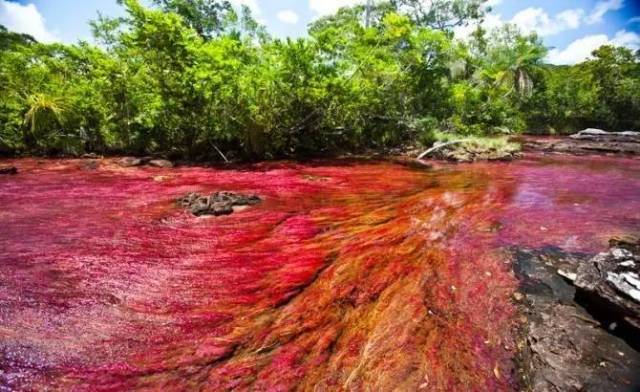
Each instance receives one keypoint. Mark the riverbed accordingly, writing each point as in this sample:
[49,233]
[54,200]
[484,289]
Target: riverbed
[352,275]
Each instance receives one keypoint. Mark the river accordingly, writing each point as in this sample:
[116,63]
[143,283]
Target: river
[351,275]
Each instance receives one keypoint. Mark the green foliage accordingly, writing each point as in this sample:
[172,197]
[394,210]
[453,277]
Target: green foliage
[441,14]
[206,17]
[191,77]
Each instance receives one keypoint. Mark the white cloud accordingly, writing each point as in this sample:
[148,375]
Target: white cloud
[536,19]
[601,8]
[577,51]
[328,7]
[580,49]
[493,3]
[627,39]
[635,19]
[25,19]
[252,4]
[288,16]
[529,20]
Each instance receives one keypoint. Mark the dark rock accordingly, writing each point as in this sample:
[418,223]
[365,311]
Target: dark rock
[613,280]
[11,170]
[565,346]
[589,141]
[162,163]
[604,136]
[217,204]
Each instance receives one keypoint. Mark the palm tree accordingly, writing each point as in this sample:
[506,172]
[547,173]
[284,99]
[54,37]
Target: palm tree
[512,61]
[45,112]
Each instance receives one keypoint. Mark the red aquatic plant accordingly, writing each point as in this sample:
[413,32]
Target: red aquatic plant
[348,276]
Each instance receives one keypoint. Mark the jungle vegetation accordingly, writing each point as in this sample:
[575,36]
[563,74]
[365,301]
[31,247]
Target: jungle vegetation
[189,78]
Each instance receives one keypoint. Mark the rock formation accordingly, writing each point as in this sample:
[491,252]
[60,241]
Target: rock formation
[135,161]
[219,203]
[11,170]
[470,151]
[589,141]
[582,318]
[613,279]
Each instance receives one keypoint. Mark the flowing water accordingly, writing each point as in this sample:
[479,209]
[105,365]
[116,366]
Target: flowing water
[349,275]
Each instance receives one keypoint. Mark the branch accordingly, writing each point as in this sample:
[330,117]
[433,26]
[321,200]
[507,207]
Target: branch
[440,146]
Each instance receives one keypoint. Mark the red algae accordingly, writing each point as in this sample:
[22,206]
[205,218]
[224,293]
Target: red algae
[349,275]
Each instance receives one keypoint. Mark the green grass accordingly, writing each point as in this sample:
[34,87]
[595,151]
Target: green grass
[496,143]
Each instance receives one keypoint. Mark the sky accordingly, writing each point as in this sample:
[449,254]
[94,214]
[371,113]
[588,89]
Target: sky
[572,29]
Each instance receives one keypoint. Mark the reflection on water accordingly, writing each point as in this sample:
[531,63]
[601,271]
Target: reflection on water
[350,275]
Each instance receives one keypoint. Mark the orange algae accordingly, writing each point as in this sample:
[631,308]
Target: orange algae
[376,277]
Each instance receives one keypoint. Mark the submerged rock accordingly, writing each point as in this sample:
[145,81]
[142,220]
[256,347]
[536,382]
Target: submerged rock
[11,170]
[219,203]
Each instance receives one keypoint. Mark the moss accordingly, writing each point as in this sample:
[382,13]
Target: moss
[476,148]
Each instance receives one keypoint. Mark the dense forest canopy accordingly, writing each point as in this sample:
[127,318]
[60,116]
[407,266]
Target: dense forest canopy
[188,78]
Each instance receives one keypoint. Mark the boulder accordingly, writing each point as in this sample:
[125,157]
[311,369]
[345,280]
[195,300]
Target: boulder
[161,163]
[136,161]
[217,204]
[589,132]
[10,170]
[131,162]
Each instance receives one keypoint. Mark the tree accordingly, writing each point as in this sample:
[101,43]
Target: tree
[9,40]
[441,14]
[206,17]
[616,74]
[513,60]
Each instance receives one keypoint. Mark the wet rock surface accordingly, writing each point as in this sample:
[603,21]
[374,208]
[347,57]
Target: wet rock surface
[11,170]
[612,280]
[142,161]
[600,135]
[571,343]
[219,203]
[589,141]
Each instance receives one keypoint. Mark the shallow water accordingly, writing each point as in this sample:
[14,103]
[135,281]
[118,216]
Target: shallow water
[350,275]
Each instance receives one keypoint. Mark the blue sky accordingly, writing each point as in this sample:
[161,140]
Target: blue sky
[571,28]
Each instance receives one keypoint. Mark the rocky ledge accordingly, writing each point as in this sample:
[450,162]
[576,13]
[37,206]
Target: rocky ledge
[148,161]
[612,280]
[589,141]
[471,151]
[11,170]
[219,203]
[581,318]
